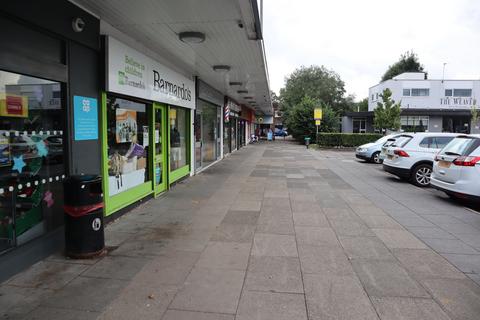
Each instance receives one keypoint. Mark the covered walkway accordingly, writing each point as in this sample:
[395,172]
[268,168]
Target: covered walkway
[271,232]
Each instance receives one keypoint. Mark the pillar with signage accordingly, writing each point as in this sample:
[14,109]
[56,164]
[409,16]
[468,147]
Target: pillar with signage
[146,126]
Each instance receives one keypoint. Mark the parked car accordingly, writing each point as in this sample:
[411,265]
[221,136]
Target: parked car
[411,156]
[370,152]
[456,168]
[280,132]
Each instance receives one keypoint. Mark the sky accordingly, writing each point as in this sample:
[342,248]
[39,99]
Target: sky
[359,39]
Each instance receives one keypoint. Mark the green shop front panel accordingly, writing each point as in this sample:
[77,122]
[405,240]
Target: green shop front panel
[127,164]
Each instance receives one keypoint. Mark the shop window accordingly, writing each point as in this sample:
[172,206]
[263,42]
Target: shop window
[414,123]
[406,92]
[127,143]
[462,92]
[178,138]
[31,158]
[420,92]
[448,92]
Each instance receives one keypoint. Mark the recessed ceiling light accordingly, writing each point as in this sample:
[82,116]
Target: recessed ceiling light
[242,91]
[191,37]
[221,68]
[235,83]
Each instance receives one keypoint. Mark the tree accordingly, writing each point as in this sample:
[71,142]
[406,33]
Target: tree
[408,62]
[300,123]
[316,82]
[361,106]
[387,113]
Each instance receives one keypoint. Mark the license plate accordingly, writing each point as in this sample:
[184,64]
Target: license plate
[444,164]
[390,157]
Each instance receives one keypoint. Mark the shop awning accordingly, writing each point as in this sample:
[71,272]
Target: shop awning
[233,37]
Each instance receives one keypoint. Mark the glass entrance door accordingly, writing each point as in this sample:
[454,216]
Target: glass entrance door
[160,151]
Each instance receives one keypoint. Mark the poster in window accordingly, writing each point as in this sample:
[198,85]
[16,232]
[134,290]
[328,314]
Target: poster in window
[4,151]
[12,105]
[126,125]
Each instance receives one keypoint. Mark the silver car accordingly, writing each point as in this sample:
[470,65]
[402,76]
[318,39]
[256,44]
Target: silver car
[370,152]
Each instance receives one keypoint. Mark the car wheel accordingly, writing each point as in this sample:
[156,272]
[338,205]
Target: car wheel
[376,158]
[421,175]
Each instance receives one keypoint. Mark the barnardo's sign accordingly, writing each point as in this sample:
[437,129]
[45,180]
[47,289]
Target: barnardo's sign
[132,73]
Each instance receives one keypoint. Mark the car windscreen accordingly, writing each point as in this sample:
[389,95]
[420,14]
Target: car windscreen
[401,141]
[461,146]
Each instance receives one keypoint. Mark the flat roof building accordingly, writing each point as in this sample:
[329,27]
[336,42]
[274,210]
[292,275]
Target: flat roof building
[433,105]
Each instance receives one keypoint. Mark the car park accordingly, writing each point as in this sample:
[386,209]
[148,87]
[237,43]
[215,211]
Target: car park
[456,168]
[411,156]
[370,152]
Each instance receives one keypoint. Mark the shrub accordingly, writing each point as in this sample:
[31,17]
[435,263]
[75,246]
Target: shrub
[346,139]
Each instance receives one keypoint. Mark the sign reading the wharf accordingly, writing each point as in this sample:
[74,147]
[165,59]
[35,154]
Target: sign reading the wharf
[454,102]
[132,73]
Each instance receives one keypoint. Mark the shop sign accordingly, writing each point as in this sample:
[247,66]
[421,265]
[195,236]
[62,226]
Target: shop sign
[85,118]
[458,102]
[14,106]
[132,73]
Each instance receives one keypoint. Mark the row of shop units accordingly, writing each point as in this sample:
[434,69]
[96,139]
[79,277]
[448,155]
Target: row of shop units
[87,103]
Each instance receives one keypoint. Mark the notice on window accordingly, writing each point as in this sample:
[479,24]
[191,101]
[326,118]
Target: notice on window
[126,125]
[85,114]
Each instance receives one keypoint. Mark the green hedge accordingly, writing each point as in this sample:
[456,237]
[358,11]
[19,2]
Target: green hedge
[346,139]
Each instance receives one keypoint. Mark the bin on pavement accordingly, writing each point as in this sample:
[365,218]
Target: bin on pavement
[83,207]
[307,141]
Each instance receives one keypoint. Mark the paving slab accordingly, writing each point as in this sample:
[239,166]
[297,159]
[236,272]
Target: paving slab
[274,245]
[316,236]
[399,308]
[324,260]
[241,217]
[210,290]
[450,246]
[395,239]
[234,232]
[460,298]
[311,219]
[336,297]
[88,294]
[387,279]
[274,274]
[117,267]
[365,248]
[139,302]
[51,313]
[190,315]
[468,263]
[271,306]
[225,255]
[16,302]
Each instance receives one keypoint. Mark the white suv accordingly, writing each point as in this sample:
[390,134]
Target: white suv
[456,169]
[411,156]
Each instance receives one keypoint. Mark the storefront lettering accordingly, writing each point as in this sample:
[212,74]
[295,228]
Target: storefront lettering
[160,84]
[448,101]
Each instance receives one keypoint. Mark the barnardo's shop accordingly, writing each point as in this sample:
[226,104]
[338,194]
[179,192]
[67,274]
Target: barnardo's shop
[147,113]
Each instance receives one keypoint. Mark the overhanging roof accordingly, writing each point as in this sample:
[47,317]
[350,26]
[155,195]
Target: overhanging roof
[231,28]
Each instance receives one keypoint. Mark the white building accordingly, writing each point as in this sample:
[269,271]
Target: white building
[433,105]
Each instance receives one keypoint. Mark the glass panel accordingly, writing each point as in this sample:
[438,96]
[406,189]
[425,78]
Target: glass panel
[406,92]
[158,174]
[448,92]
[158,131]
[462,92]
[127,143]
[226,137]
[209,133]
[178,138]
[31,158]
[420,92]
[233,133]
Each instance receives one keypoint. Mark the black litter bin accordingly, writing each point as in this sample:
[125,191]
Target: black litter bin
[83,207]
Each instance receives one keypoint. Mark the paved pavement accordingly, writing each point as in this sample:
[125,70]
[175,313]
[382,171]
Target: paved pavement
[275,231]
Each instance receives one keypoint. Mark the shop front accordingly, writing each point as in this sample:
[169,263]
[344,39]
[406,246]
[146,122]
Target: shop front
[146,126]
[208,126]
[249,118]
[231,126]
[42,97]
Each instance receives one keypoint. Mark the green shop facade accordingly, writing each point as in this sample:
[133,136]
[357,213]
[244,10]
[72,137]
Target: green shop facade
[146,126]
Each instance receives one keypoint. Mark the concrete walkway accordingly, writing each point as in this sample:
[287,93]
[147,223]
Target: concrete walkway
[272,232]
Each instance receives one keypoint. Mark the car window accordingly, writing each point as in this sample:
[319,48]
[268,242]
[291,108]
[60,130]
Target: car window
[401,141]
[427,143]
[461,146]
[442,141]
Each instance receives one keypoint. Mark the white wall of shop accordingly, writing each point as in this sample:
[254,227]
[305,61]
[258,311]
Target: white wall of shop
[436,98]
